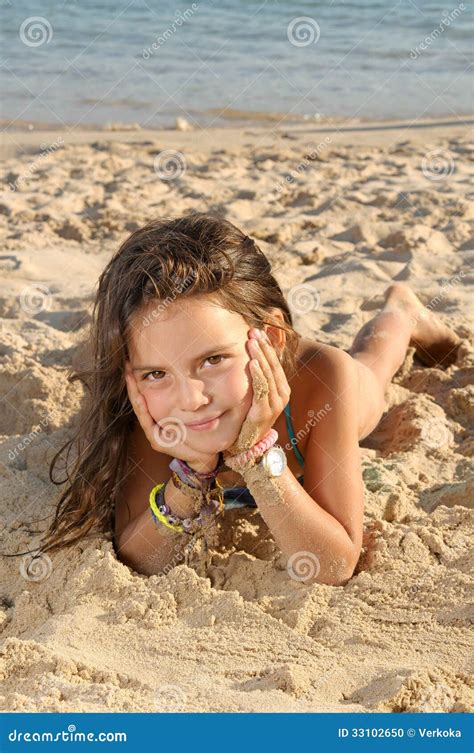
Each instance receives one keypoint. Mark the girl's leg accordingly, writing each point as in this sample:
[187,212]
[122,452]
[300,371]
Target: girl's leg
[382,343]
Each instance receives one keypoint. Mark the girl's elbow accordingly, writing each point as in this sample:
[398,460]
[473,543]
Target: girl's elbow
[344,567]
[336,571]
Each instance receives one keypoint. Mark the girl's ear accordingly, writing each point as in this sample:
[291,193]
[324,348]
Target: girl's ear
[276,336]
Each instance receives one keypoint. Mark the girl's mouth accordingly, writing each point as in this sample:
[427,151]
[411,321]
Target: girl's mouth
[206,425]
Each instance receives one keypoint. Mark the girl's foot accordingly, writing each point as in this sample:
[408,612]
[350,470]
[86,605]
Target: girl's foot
[435,343]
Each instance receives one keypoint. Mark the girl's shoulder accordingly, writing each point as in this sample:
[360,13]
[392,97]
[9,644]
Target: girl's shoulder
[310,349]
[317,364]
[320,368]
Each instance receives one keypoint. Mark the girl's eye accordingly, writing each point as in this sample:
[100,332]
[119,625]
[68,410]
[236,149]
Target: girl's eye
[145,376]
[208,359]
[162,372]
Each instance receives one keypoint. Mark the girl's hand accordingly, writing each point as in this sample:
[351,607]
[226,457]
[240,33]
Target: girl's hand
[173,441]
[271,393]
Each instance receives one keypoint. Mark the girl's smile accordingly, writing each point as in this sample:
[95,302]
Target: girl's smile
[206,425]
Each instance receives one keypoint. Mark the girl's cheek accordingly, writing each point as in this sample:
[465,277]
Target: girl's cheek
[156,406]
[238,393]
[238,385]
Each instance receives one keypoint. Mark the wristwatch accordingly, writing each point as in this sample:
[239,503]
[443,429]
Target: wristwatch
[273,461]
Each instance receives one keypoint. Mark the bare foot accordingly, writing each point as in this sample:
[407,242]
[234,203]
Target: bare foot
[435,343]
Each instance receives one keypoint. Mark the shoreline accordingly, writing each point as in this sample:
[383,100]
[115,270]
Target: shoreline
[371,132]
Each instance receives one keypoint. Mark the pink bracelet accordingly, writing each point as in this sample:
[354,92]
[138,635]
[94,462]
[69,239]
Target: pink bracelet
[238,461]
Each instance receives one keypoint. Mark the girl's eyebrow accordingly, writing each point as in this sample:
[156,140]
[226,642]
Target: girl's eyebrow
[198,358]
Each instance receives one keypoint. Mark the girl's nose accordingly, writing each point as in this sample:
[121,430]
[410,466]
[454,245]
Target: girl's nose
[190,395]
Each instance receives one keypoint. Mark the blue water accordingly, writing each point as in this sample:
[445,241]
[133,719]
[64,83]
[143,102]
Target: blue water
[232,59]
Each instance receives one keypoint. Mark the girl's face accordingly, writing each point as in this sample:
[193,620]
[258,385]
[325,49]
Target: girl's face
[190,361]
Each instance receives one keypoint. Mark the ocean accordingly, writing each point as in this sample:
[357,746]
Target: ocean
[80,64]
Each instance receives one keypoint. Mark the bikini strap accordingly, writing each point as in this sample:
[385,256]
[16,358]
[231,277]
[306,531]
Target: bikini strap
[291,434]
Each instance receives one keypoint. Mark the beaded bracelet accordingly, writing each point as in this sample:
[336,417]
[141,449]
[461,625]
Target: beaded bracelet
[248,457]
[162,513]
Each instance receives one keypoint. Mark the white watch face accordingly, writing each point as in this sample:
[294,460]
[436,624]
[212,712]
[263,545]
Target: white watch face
[275,461]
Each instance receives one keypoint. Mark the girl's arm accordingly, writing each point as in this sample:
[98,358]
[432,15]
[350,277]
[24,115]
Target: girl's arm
[144,545]
[151,548]
[319,527]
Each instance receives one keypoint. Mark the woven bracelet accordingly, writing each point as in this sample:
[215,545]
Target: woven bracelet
[162,513]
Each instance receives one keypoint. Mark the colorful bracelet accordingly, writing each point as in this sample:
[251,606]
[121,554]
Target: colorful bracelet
[206,494]
[248,457]
[162,513]
[195,478]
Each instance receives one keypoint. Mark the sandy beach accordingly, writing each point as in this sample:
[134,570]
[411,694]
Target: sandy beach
[344,211]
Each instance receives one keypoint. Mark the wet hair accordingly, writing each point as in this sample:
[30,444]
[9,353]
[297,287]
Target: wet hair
[166,260]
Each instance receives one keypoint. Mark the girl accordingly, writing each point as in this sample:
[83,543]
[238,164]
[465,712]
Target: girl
[194,364]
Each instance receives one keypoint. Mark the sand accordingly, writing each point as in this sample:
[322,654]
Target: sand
[81,631]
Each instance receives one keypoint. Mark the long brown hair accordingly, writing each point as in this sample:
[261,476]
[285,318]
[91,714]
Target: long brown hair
[165,260]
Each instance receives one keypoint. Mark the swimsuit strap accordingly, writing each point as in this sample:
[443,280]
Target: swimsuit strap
[291,434]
